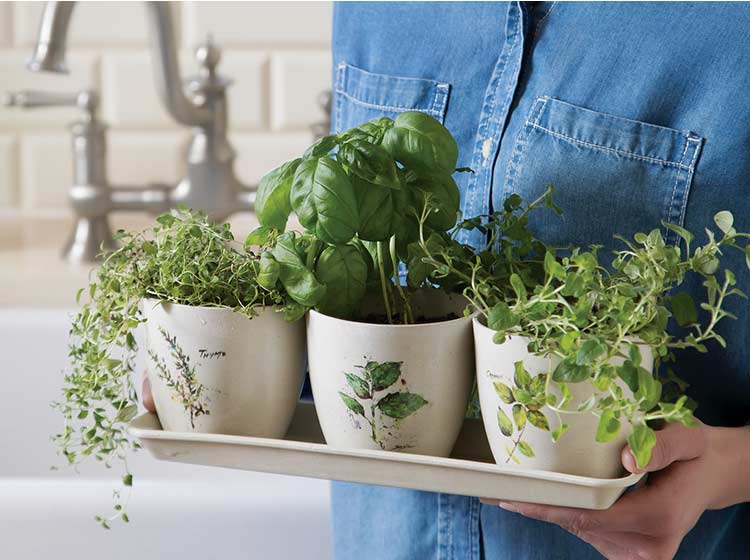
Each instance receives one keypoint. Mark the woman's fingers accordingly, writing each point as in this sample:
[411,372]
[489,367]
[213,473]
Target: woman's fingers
[147,395]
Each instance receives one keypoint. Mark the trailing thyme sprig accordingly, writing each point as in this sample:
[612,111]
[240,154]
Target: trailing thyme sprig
[183,259]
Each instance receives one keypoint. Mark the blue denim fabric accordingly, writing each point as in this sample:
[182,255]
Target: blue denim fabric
[637,113]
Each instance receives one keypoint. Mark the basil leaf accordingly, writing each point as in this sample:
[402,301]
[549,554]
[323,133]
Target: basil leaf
[272,204]
[370,162]
[324,200]
[443,197]
[419,141]
[376,211]
[299,282]
[268,271]
[343,270]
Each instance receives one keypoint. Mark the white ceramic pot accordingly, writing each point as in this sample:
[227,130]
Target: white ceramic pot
[213,370]
[393,387]
[577,451]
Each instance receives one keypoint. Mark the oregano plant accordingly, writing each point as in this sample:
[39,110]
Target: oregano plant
[359,195]
[591,313]
[183,259]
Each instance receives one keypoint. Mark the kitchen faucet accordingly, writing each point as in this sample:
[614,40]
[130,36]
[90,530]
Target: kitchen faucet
[209,184]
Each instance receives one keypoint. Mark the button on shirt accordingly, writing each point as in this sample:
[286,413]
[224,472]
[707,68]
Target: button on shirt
[637,114]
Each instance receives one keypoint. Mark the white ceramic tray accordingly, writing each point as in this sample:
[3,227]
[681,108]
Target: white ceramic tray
[469,471]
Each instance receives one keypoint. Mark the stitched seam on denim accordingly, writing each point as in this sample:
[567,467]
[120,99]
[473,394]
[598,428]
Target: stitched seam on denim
[488,104]
[519,149]
[474,529]
[386,107]
[689,179]
[611,150]
[441,96]
[541,21]
[506,103]
[492,129]
[340,71]
[388,76]
[669,233]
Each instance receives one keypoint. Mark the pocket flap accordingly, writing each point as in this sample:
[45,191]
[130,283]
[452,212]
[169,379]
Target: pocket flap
[626,137]
[391,93]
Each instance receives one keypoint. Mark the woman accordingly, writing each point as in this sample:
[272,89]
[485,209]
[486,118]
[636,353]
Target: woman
[637,113]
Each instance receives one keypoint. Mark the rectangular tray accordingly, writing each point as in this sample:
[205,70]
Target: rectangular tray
[470,471]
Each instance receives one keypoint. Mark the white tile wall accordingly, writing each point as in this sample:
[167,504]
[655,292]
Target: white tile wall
[258,24]
[297,77]
[6,25]
[93,24]
[276,53]
[8,171]
[45,164]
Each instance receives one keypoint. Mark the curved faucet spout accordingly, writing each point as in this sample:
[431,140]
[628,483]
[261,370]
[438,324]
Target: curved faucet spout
[49,56]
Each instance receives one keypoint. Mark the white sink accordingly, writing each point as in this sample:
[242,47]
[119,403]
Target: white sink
[176,511]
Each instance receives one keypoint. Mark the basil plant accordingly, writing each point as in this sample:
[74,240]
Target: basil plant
[358,195]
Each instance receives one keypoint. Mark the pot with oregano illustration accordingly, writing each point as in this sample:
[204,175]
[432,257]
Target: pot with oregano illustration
[573,349]
[223,353]
[390,355]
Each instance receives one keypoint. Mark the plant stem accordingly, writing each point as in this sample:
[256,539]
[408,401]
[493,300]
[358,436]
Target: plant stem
[408,315]
[383,282]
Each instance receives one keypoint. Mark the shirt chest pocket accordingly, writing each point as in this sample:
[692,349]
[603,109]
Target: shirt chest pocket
[361,96]
[611,174]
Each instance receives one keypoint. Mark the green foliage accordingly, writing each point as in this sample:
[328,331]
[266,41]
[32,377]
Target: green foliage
[359,195]
[183,259]
[397,405]
[590,314]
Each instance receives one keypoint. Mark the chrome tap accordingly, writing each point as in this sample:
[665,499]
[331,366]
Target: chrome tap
[210,183]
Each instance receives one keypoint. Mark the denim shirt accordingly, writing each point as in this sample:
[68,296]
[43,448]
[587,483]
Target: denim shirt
[637,114]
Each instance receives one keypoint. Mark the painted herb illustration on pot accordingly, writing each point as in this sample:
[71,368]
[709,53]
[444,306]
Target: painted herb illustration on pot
[397,405]
[185,384]
[527,397]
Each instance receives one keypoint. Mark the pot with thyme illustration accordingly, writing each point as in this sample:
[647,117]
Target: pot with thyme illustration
[523,428]
[393,387]
[214,370]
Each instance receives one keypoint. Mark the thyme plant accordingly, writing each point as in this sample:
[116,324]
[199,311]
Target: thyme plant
[183,259]
[591,314]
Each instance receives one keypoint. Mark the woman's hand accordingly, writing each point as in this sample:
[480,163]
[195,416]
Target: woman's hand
[147,395]
[693,469]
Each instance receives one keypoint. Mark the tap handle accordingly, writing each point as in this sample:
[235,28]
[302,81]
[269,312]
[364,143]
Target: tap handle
[86,100]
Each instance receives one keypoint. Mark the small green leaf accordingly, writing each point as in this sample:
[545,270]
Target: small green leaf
[642,441]
[128,413]
[504,423]
[360,387]
[588,353]
[260,236]
[518,287]
[520,376]
[384,374]
[525,448]
[683,309]
[568,371]
[504,392]
[608,428]
[538,420]
[724,221]
[519,416]
[500,317]
[400,405]
[558,432]
[352,404]
[127,480]
[649,390]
